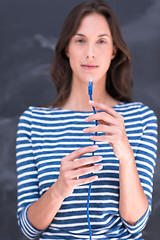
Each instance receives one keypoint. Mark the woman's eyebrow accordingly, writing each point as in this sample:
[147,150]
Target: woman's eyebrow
[80,34]
[101,35]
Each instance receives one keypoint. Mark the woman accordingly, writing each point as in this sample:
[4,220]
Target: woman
[56,157]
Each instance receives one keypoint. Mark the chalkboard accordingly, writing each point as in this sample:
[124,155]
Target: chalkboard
[28,34]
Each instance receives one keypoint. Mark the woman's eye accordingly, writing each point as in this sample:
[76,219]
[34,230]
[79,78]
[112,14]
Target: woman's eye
[80,40]
[101,41]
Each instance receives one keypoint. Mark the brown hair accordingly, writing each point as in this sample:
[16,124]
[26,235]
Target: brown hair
[119,76]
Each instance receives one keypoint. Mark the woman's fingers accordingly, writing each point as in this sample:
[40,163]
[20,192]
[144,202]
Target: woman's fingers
[103,117]
[104,108]
[83,171]
[108,115]
[79,152]
[86,161]
[99,128]
[102,138]
[72,166]
[83,181]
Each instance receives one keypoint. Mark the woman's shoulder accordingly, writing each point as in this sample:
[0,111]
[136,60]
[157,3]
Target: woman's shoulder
[136,109]
[130,105]
[35,112]
[138,106]
[40,110]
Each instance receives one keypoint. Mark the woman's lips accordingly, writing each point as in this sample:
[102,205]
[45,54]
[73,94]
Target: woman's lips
[89,66]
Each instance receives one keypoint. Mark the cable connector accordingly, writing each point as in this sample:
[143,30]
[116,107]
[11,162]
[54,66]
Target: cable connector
[90,86]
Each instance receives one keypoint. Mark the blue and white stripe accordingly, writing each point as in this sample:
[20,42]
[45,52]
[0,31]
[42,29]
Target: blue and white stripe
[46,135]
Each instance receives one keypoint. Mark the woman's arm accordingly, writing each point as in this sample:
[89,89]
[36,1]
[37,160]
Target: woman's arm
[42,212]
[133,201]
[35,212]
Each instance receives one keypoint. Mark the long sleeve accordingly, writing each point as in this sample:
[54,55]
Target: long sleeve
[28,190]
[145,158]
[46,135]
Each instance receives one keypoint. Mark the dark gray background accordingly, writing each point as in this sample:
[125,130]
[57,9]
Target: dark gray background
[28,33]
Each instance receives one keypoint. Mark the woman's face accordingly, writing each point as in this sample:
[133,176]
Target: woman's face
[91,49]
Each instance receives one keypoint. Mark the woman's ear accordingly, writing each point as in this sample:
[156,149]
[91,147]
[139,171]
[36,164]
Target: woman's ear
[66,52]
[114,51]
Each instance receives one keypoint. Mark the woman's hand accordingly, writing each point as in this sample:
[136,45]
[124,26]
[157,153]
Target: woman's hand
[112,124]
[133,202]
[42,212]
[72,168]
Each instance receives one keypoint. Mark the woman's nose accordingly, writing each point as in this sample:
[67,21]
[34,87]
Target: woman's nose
[90,53]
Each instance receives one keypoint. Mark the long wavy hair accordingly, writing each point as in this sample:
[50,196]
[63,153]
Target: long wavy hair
[119,76]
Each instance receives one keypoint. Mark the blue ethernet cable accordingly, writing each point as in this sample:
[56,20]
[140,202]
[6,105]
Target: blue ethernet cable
[90,90]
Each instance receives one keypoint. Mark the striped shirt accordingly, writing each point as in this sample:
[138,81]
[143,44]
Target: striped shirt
[46,135]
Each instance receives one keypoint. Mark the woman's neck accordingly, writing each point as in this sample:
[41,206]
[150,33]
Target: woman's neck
[78,98]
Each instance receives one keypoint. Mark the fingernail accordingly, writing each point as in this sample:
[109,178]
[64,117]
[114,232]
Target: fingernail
[100,157]
[100,167]
[95,178]
[95,146]
[86,119]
